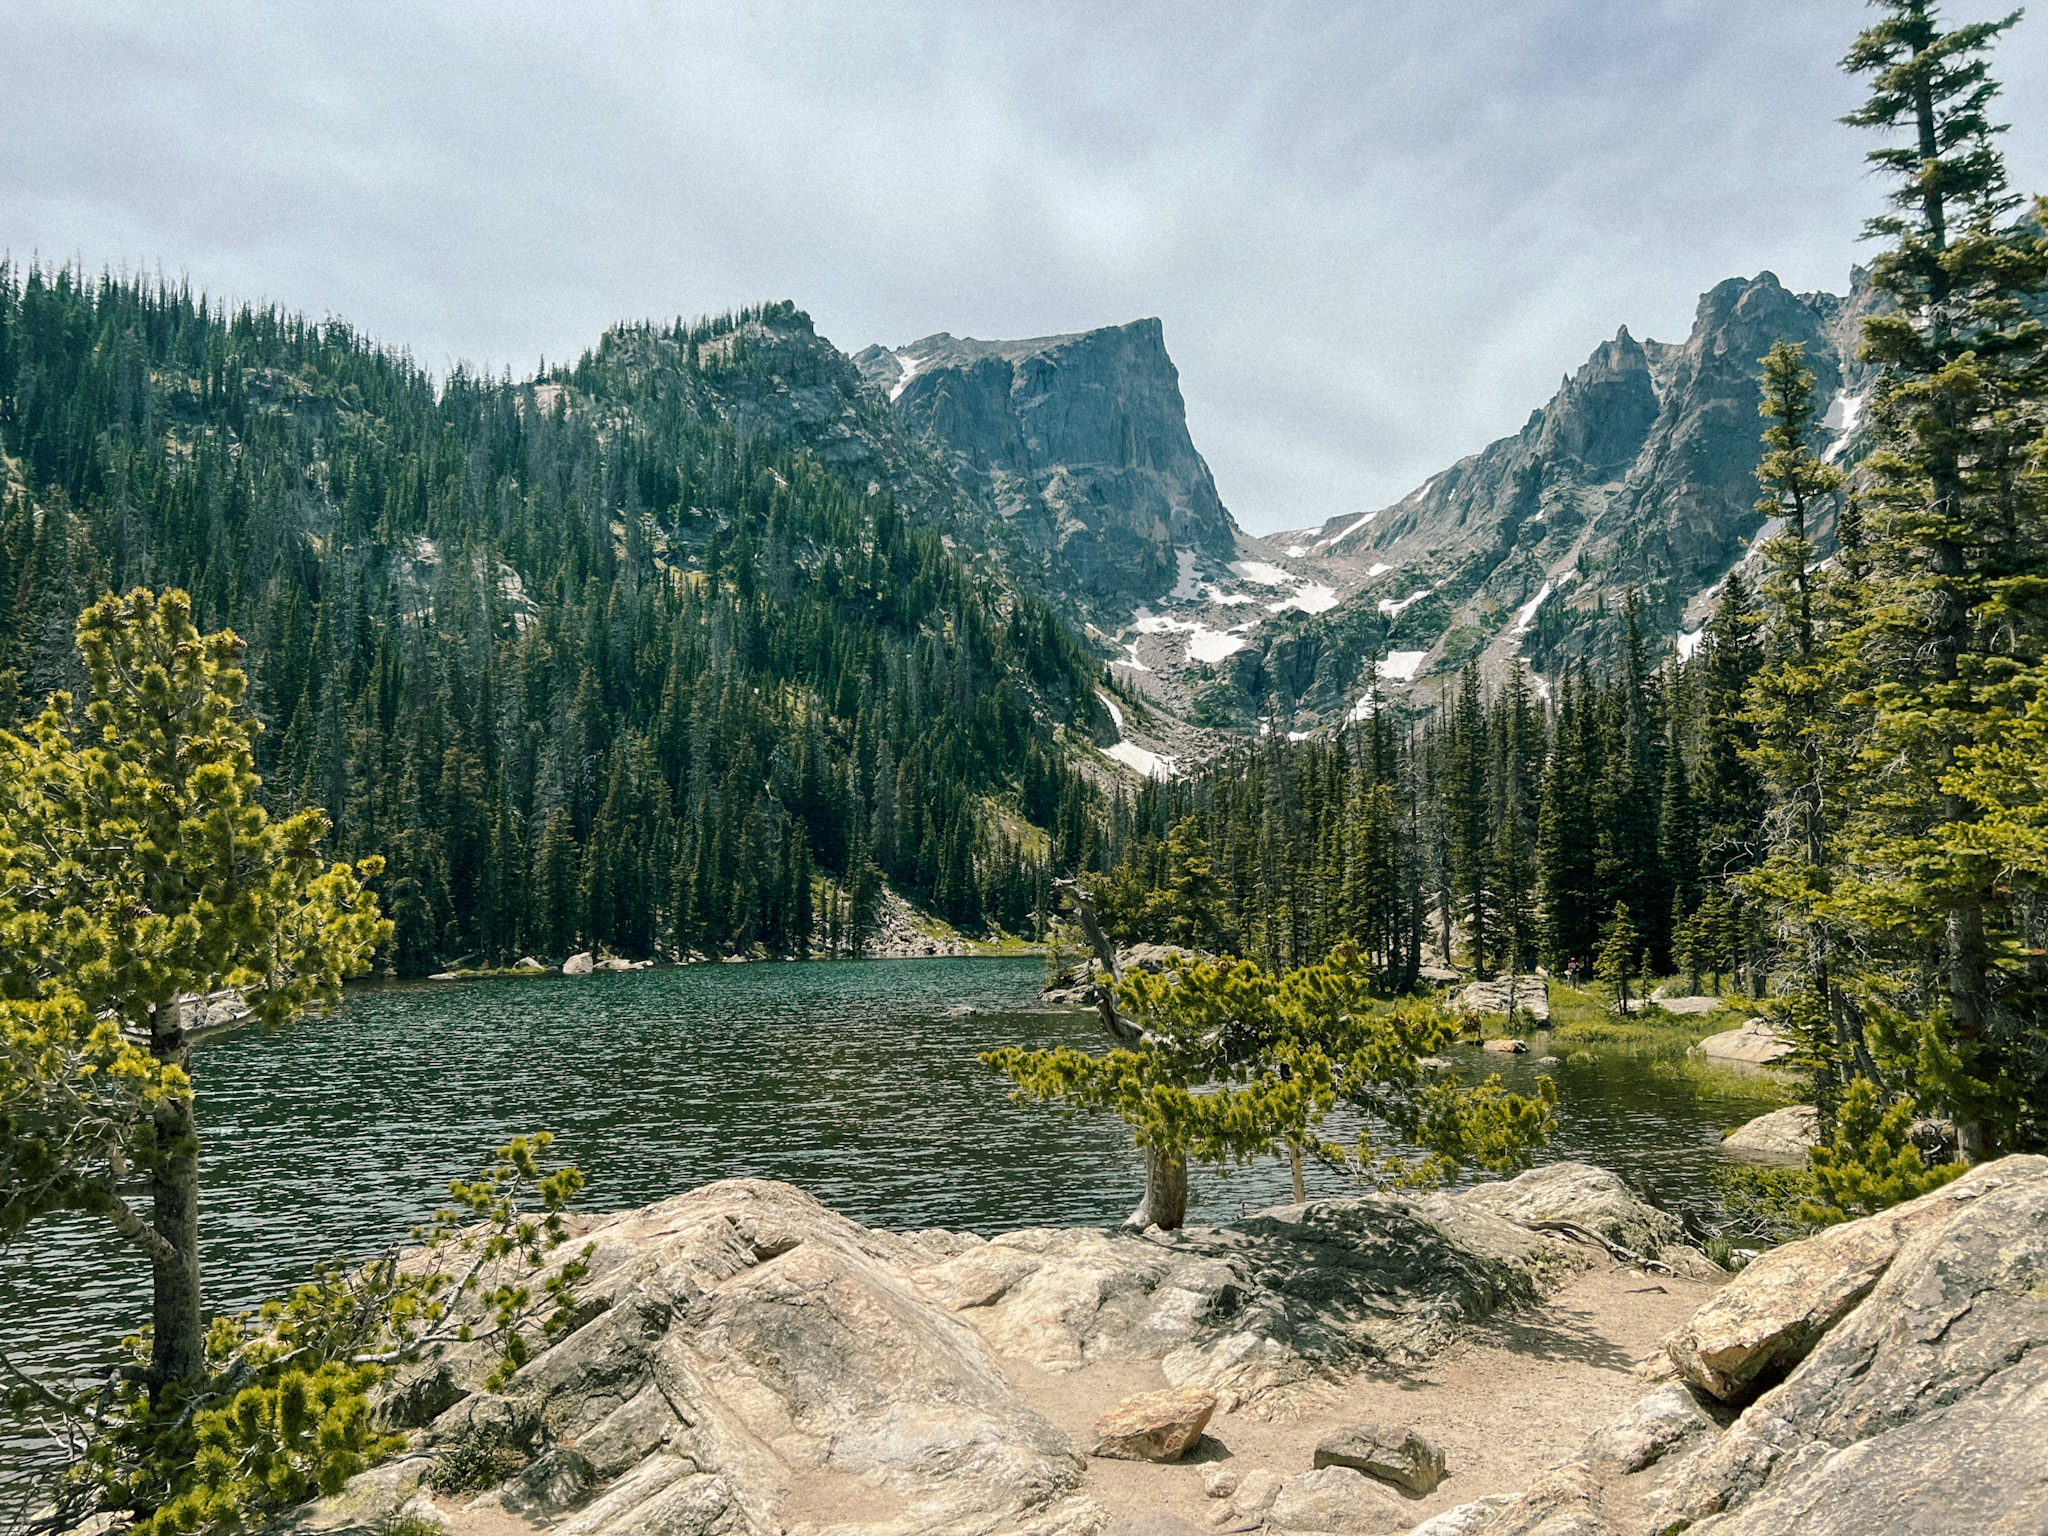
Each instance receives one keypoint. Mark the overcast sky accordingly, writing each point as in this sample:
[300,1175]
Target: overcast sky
[1376,233]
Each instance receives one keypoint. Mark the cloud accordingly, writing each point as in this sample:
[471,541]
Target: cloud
[1376,235]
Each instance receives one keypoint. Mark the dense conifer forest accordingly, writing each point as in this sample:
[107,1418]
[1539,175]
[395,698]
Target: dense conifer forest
[1493,830]
[583,663]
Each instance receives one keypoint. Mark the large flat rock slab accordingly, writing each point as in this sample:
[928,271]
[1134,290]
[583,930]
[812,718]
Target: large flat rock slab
[1790,1132]
[1755,1044]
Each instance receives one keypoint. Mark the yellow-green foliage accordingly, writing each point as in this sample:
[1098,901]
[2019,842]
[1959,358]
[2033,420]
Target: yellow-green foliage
[283,1412]
[137,864]
[1870,1162]
[1238,1063]
[275,1445]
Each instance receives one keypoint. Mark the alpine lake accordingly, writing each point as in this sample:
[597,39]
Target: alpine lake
[856,1080]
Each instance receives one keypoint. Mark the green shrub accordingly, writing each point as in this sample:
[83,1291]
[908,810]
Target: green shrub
[477,1460]
[1870,1162]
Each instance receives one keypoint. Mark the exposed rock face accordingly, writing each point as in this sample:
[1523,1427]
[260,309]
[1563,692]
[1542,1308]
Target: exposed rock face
[1913,1352]
[1288,1297]
[746,1347]
[1154,1426]
[1078,443]
[1769,1317]
[1585,1196]
[581,964]
[1341,1501]
[1638,476]
[1787,1132]
[1531,997]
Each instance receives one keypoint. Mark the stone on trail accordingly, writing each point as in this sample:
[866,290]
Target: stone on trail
[1652,1428]
[1788,1132]
[1340,1501]
[1154,1426]
[1393,1454]
[579,964]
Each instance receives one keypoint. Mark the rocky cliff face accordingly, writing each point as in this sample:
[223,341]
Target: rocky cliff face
[1078,444]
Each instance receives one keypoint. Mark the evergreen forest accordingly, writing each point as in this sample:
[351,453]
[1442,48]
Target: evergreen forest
[584,662]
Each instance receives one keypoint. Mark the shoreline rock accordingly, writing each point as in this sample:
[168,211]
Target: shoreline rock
[741,1339]
[1789,1132]
[1755,1043]
[1532,997]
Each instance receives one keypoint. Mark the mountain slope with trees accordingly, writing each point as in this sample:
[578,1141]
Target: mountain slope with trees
[638,653]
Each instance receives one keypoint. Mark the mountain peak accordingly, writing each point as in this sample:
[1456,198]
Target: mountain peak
[1079,443]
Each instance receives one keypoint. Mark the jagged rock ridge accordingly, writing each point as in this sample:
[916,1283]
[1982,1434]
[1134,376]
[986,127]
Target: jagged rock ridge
[1637,477]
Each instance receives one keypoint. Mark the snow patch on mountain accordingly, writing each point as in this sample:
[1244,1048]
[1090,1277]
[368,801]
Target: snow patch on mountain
[1186,589]
[1153,765]
[1844,412]
[1526,614]
[1215,644]
[1401,666]
[909,365]
[1262,573]
[1310,597]
[1334,540]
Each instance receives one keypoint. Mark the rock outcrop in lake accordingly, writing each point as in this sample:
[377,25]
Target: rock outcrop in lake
[753,1362]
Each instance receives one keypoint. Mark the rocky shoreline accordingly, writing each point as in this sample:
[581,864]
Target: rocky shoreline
[754,1365]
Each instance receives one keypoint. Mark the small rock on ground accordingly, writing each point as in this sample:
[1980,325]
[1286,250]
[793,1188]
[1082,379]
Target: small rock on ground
[1391,1453]
[1154,1426]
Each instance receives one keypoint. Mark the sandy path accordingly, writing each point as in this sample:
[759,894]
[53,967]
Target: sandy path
[1506,1402]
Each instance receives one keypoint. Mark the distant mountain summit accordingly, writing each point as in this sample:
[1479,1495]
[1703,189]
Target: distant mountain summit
[1079,445]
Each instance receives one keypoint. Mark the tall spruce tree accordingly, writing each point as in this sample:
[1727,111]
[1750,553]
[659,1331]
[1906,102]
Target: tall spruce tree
[1953,628]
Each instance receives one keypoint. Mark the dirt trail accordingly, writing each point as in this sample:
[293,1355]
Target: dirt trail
[1506,1402]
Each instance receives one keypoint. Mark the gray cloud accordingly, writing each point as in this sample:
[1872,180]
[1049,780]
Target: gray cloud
[1376,233]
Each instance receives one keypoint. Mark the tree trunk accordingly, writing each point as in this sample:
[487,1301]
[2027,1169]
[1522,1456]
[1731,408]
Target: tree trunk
[1294,1165]
[1166,1192]
[178,1338]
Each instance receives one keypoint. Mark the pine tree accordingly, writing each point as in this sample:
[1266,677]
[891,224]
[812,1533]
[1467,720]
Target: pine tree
[1957,541]
[1621,950]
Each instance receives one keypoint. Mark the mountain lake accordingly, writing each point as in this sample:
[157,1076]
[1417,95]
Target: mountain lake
[856,1080]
